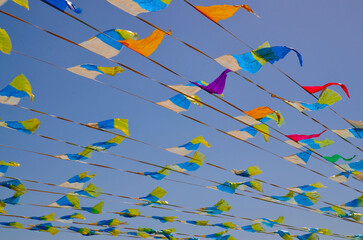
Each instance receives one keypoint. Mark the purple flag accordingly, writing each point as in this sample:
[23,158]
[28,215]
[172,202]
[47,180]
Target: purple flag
[217,86]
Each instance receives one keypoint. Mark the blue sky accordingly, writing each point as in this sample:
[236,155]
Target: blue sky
[326,33]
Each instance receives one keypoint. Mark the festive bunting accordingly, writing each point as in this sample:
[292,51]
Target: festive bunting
[16,90]
[300,158]
[12,224]
[90,191]
[284,234]
[305,199]
[218,208]
[230,187]
[14,185]
[307,188]
[226,225]
[268,222]
[69,218]
[253,61]
[68,200]
[5,165]
[117,123]
[135,7]
[314,89]
[49,217]
[336,157]
[45,227]
[164,219]
[217,86]
[23,3]
[358,202]
[187,148]
[83,231]
[113,231]
[77,181]
[154,197]
[62,5]
[130,213]
[222,12]
[352,132]
[92,71]
[249,172]
[27,126]
[309,236]
[253,228]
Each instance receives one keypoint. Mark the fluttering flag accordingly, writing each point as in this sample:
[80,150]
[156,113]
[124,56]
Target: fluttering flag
[14,185]
[16,90]
[217,86]
[226,237]
[327,98]
[12,224]
[314,89]
[2,206]
[217,235]
[307,188]
[27,126]
[159,175]
[299,137]
[62,5]
[11,200]
[230,187]
[218,208]
[111,222]
[87,152]
[5,42]
[113,231]
[222,12]
[23,3]
[5,165]
[300,158]
[49,217]
[83,231]
[192,165]
[336,211]
[249,172]
[336,157]
[319,230]
[198,223]
[147,45]
[226,225]
[135,7]
[90,191]
[309,236]
[251,132]
[164,219]
[341,177]
[268,222]
[66,201]
[305,199]
[139,234]
[154,197]
[96,209]
[356,132]
[147,230]
[92,71]
[253,228]
[354,166]
[117,123]
[130,213]
[69,218]
[180,102]
[356,237]
[187,148]
[77,181]
[253,61]
[107,43]
[45,227]
[358,202]
[284,234]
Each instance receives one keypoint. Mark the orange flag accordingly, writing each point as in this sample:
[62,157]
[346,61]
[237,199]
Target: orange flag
[147,45]
[260,112]
[222,12]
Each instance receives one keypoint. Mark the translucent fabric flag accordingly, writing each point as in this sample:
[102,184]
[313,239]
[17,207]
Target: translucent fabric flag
[354,166]
[110,222]
[187,148]
[45,227]
[107,43]
[154,197]
[226,225]
[83,231]
[27,126]
[96,209]
[352,132]
[336,211]
[227,237]
[68,200]
[16,90]
[5,42]
[327,98]
[12,224]
[284,234]
[192,165]
[217,235]
[139,234]
[314,89]
[319,230]
[113,231]
[249,172]
[164,219]
[356,124]
[77,181]
[12,200]
[253,228]
[23,3]
[309,236]
[62,5]
[70,218]
[14,185]
[307,188]
[311,143]
[84,155]
[130,213]
[253,61]
[90,191]
[217,86]
[358,202]
[135,7]
[198,223]
[356,237]
[251,132]
[147,230]
[230,187]
[341,177]
[49,217]
[218,208]
[336,157]
[92,71]
[116,123]
[300,158]
[147,45]
[268,222]
[159,175]
[5,165]
[222,12]
[305,199]
[299,137]
[2,206]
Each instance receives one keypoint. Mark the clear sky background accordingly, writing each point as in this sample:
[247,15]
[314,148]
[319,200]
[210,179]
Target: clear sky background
[328,34]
